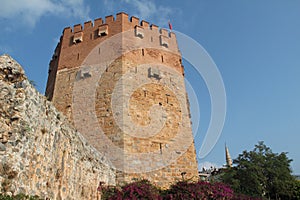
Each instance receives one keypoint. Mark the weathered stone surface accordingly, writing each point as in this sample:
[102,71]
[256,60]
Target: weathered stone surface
[2,147]
[40,152]
[125,93]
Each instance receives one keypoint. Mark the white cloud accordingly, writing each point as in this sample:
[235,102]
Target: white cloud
[147,9]
[109,5]
[30,11]
[144,9]
[208,165]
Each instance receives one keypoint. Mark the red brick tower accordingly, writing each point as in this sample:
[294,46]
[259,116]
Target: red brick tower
[121,83]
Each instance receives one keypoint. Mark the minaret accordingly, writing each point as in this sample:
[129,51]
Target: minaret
[228,158]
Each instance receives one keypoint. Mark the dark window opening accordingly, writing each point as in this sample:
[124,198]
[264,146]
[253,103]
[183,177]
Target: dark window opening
[160,148]
[103,34]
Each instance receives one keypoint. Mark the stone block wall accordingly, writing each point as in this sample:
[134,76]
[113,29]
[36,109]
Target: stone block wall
[40,152]
[125,92]
[71,53]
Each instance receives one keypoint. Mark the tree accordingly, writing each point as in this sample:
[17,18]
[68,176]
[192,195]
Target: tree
[261,173]
[296,190]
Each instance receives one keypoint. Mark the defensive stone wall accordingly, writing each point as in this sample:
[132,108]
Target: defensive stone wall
[40,152]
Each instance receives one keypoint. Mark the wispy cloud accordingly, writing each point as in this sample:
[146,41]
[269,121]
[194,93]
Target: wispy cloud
[208,165]
[148,10]
[30,11]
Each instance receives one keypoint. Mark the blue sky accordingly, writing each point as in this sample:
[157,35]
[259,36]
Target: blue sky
[255,45]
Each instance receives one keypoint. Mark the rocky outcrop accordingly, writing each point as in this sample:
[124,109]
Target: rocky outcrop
[40,152]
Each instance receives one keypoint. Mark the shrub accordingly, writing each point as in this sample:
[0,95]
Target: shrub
[182,190]
[142,189]
[18,197]
[198,190]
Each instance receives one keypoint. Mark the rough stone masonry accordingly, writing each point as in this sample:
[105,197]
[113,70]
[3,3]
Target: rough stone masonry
[120,81]
[40,152]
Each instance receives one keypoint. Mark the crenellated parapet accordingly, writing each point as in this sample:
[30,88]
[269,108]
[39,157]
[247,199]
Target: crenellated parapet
[76,42]
[122,17]
[101,29]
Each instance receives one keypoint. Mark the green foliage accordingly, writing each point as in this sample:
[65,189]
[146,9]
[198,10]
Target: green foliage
[18,197]
[296,190]
[261,173]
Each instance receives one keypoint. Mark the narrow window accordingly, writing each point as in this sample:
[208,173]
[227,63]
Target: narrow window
[162,58]
[160,148]
[143,52]
[167,95]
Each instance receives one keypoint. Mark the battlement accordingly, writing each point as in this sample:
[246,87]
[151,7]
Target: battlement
[101,29]
[120,17]
[77,41]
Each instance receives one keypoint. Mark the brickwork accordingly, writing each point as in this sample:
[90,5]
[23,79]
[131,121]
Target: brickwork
[128,76]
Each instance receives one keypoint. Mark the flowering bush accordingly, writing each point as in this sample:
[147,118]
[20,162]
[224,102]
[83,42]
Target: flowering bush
[133,191]
[199,190]
[182,190]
